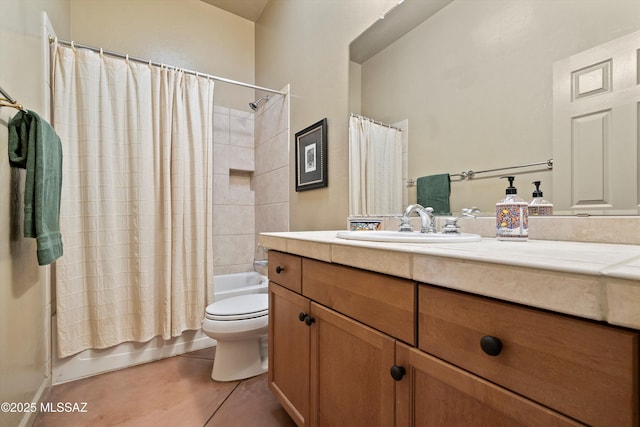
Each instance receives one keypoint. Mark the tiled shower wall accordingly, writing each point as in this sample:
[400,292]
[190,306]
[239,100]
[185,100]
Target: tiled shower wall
[233,195]
[272,168]
[251,181]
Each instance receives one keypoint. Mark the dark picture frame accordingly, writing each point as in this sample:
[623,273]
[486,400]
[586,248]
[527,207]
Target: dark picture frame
[311,157]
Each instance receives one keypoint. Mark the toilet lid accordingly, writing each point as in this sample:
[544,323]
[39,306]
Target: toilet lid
[240,307]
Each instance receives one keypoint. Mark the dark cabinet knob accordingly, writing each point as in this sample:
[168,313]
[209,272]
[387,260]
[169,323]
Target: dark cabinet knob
[397,372]
[304,317]
[279,269]
[491,345]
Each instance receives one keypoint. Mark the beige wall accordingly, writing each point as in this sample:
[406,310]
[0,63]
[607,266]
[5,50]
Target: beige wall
[186,33]
[476,83]
[306,43]
[25,303]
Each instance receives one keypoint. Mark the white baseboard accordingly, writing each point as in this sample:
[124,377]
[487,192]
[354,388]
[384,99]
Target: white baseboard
[41,394]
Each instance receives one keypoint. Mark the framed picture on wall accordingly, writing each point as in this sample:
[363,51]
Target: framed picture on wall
[311,157]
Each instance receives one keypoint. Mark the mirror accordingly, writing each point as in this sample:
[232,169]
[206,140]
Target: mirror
[474,80]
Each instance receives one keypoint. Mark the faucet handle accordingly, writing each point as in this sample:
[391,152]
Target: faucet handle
[451,225]
[404,223]
[470,212]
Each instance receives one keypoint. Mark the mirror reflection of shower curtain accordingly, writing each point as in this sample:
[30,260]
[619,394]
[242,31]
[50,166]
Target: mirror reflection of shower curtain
[375,168]
[136,199]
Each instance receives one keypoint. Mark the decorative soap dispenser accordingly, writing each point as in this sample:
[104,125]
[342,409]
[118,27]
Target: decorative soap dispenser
[512,215]
[538,205]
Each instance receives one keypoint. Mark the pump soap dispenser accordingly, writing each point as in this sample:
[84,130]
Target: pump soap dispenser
[512,220]
[538,205]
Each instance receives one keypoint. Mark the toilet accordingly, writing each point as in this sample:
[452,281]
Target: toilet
[239,324]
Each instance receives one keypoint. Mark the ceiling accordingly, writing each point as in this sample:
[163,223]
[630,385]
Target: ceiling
[401,19]
[249,9]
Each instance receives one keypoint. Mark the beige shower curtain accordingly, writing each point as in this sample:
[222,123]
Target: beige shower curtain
[136,215]
[375,168]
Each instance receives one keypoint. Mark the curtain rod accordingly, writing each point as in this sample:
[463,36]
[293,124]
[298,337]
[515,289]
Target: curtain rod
[74,45]
[376,122]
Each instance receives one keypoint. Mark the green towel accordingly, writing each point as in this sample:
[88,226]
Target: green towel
[35,146]
[434,191]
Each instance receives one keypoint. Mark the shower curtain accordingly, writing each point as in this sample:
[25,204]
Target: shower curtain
[375,168]
[136,214]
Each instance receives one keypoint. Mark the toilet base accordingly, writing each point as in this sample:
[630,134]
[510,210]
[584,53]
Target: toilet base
[237,360]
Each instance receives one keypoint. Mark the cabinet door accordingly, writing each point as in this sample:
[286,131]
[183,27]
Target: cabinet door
[350,380]
[289,352]
[434,393]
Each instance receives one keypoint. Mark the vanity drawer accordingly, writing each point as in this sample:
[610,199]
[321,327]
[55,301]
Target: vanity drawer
[286,270]
[383,302]
[585,370]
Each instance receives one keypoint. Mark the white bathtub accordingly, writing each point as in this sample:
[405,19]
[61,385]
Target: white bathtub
[231,285]
[92,362]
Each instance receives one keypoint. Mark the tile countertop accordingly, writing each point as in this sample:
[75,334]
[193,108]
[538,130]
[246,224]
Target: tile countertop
[598,281]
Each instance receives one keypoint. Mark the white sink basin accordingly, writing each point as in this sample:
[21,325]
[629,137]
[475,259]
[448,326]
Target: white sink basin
[408,237]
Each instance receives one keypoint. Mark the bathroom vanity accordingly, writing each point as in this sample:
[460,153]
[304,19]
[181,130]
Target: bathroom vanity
[384,334]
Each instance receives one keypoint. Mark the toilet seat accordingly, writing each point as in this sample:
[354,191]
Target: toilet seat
[242,307]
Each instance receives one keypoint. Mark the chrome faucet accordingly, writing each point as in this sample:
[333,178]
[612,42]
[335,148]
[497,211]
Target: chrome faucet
[426,219]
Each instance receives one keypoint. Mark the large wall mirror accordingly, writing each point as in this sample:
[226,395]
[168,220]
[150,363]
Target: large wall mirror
[474,79]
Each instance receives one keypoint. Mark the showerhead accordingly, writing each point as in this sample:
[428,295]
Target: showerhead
[256,104]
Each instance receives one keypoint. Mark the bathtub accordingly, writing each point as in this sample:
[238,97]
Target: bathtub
[231,285]
[96,361]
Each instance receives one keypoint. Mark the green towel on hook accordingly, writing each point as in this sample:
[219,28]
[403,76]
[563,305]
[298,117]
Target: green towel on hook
[434,191]
[35,146]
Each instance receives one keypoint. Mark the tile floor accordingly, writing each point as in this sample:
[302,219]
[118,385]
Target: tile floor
[177,391]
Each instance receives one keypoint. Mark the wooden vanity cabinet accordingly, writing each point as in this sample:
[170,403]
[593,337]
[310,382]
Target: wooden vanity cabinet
[326,368]
[352,347]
